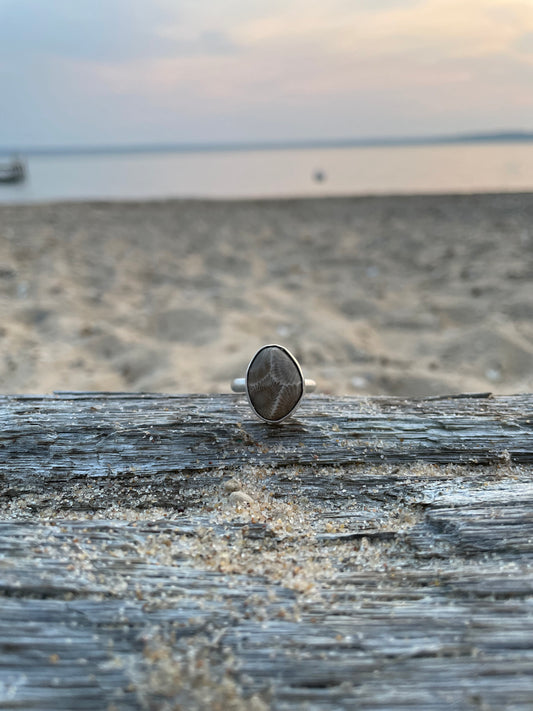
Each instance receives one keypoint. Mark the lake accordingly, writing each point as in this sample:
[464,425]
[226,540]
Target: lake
[292,172]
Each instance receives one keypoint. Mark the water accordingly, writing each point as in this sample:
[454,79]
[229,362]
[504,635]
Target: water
[476,167]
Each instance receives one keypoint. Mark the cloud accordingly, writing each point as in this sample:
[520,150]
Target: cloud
[307,48]
[524,43]
[164,69]
[101,30]
[115,30]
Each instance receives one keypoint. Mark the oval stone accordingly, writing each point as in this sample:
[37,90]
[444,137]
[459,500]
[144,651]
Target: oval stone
[274,382]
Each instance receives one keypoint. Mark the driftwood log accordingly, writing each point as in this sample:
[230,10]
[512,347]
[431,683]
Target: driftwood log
[170,552]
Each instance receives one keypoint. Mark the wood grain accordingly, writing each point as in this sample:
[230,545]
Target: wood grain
[162,552]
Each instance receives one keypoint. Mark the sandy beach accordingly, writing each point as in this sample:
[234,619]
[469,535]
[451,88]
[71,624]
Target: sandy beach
[406,296]
[178,554]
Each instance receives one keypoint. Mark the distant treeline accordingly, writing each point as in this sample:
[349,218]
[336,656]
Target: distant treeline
[499,137]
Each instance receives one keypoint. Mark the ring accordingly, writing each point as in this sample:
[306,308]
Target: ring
[274,383]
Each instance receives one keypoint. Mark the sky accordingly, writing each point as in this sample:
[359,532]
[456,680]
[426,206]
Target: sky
[97,72]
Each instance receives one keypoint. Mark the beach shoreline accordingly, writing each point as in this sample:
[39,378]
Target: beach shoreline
[380,295]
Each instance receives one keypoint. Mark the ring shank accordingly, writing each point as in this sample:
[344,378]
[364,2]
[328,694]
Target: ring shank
[238,385]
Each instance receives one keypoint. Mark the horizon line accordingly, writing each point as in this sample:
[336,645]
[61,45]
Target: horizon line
[206,147]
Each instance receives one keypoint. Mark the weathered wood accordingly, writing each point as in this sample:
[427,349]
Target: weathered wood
[378,554]
[152,439]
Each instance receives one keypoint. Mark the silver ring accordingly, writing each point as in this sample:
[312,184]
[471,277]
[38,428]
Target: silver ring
[274,383]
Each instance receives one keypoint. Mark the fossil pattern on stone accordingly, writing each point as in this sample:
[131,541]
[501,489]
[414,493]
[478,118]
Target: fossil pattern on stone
[274,382]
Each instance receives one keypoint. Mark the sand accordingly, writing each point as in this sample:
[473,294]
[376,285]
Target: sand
[408,581]
[406,296]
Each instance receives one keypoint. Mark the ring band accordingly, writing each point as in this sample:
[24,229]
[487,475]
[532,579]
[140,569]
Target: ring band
[274,383]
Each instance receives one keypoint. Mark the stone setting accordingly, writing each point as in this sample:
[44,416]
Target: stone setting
[274,383]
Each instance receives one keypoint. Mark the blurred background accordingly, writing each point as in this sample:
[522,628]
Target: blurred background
[183,182]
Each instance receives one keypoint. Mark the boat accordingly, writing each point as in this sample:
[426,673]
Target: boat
[14,172]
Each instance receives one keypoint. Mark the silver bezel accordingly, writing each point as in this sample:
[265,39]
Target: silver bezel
[285,350]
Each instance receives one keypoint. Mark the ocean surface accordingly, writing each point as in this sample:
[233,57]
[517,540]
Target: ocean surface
[291,172]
